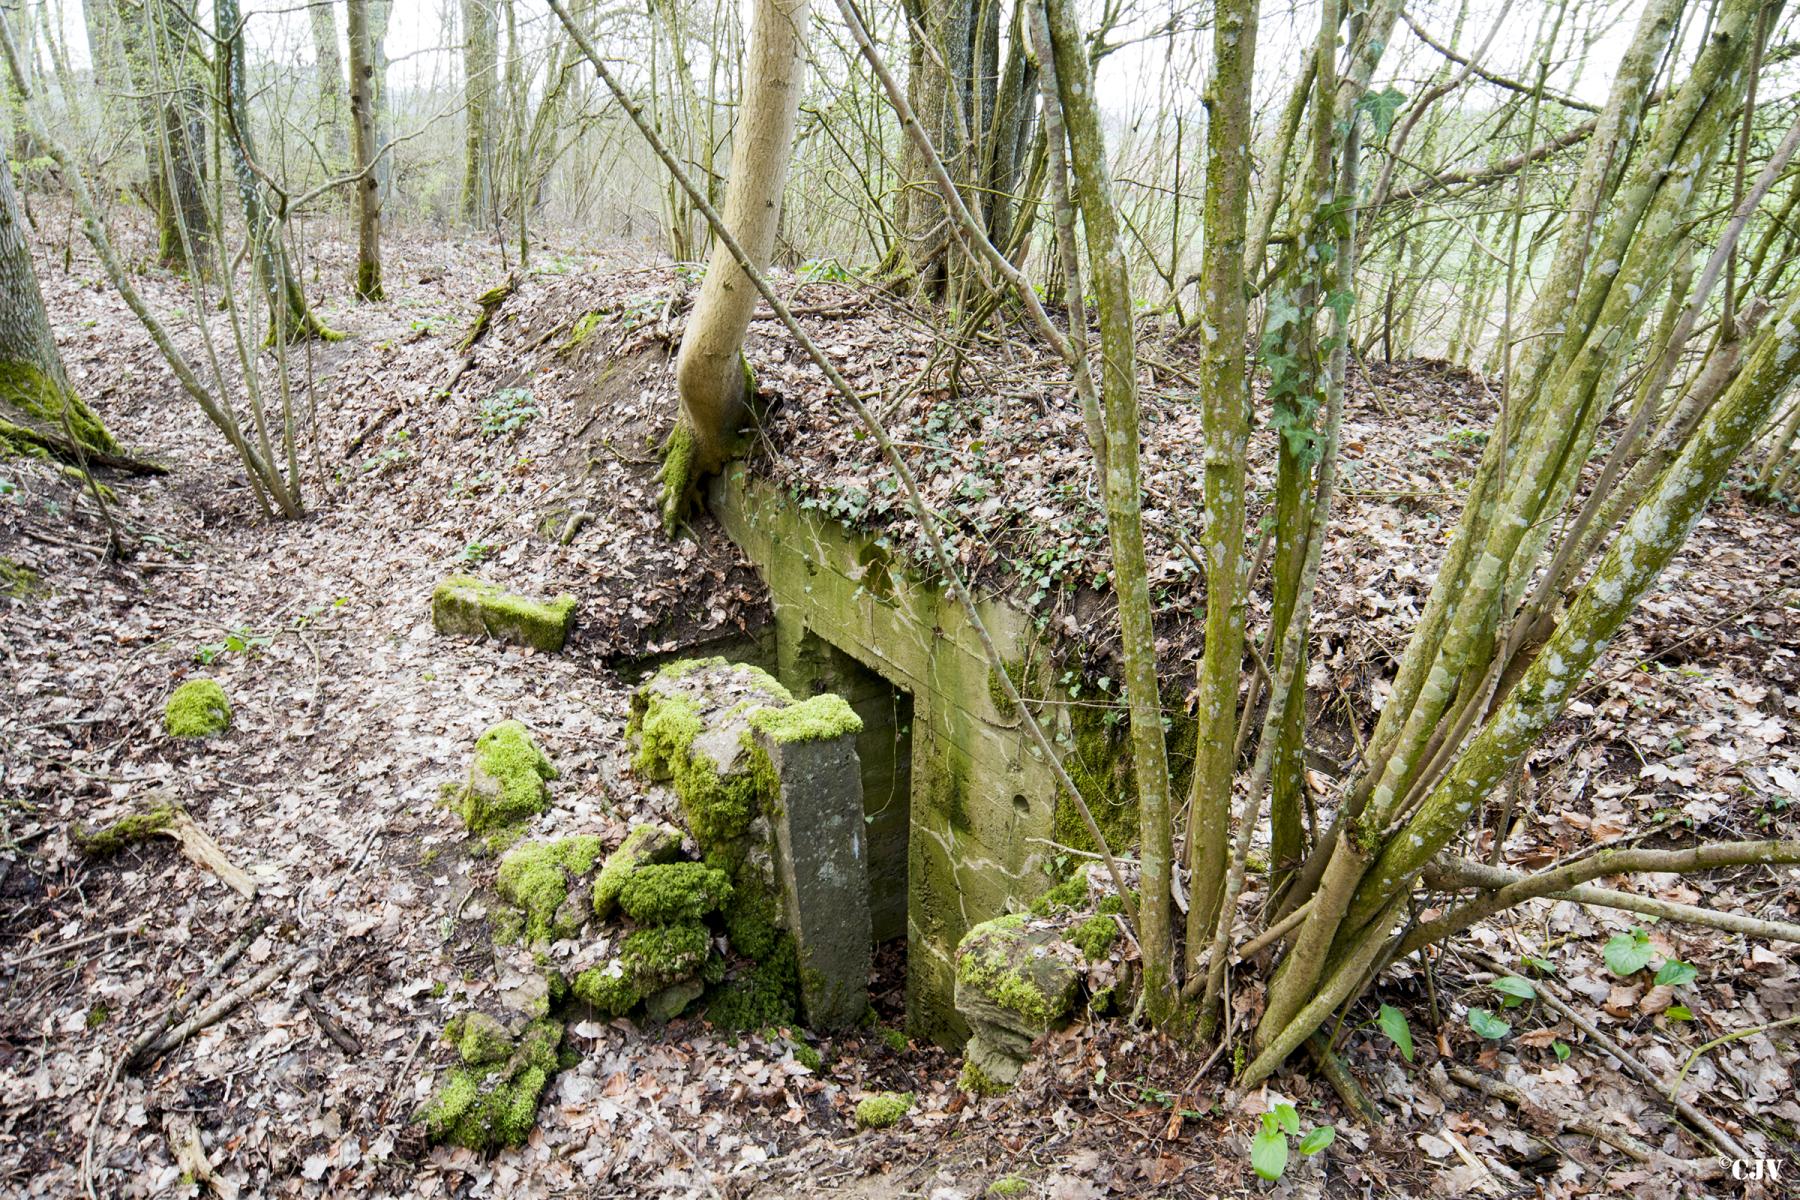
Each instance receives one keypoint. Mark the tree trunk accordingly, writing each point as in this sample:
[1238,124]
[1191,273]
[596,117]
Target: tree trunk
[364,149]
[38,408]
[329,66]
[480,58]
[713,379]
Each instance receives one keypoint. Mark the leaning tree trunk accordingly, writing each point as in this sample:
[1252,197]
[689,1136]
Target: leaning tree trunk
[38,408]
[364,148]
[290,317]
[711,374]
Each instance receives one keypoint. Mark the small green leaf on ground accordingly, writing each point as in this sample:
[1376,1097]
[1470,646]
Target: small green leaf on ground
[1393,1023]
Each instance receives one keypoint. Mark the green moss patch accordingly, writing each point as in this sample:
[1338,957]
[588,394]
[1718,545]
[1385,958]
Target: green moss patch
[536,878]
[883,1109]
[656,957]
[762,997]
[644,845]
[197,709]
[1069,894]
[674,892]
[1095,936]
[507,782]
[465,606]
[491,1100]
[816,720]
[21,583]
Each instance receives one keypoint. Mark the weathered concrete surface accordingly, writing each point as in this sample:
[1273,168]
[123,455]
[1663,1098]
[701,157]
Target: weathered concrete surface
[982,811]
[818,819]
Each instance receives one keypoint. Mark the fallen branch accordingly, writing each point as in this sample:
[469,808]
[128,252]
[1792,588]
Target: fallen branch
[229,1003]
[172,821]
[173,1013]
[1536,1114]
[1509,888]
[334,1028]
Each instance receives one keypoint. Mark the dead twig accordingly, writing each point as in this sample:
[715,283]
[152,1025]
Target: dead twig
[334,1028]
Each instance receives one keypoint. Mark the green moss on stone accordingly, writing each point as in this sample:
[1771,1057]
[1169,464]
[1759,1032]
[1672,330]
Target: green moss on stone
[674,892]
[819,719]
[895,1040]
[607,988]
[644,845]
[664,954]
[1070,893]
[536,878]
[126,831]
[507,782]
[480,1040]
[750,919]
[809,1058]
[985,961]
[1110,904]
[20,583]
[465,606]
[883,1109]
[1008,1185]
[978,1082]
[1094,937]
[491,1106]
[197,709]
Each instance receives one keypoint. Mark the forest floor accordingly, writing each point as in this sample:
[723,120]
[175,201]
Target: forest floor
[368,928]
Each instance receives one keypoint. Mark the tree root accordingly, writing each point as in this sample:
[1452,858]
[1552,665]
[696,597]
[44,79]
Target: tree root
[1337,1074]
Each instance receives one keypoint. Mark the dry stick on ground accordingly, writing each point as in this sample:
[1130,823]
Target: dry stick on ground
[1699,1168]
[1705,1124]
[946,565]
[334,1028]
[230,1002]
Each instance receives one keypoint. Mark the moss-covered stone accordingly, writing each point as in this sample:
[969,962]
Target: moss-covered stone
[480,1040]
[1007,1186]
[126,831]
[507,781]
[816,720]
[644,845]
[1095,936]
[669,893]
[465,606]
[883,1109]
[607,988]
[197,709]
[978,1082]
[750,920]
[658,956]
[536,878]
[489,1104]
[1008,964]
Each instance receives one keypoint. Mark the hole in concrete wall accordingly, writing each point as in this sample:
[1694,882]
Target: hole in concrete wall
[1021,803]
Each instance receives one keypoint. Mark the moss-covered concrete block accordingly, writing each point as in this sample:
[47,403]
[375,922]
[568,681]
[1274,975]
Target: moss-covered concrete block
[771,789]
[464,606]
[508,780]
[1014,982]
[197,709]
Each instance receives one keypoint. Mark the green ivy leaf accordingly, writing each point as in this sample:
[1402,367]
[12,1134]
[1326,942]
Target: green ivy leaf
[1287,1118]
[1393,1023]
[1318,1139]
[1381,107]
[1488,1025]
[1675,973]
[1628,953]
[1679,1012]
[1514,987]
[1269,1153]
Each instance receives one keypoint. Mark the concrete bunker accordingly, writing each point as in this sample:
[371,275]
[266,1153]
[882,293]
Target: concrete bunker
[961,808]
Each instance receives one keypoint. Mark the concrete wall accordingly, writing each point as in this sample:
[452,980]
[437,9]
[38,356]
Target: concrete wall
[982,800]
